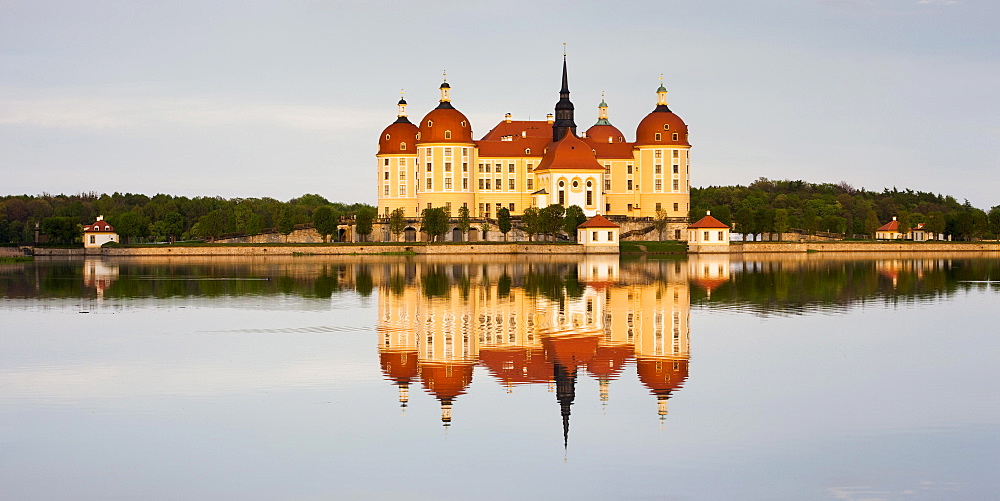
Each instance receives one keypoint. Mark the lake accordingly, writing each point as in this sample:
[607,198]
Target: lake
[812,376]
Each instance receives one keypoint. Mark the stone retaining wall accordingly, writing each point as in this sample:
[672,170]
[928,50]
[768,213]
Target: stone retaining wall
[319,250]
[775,247]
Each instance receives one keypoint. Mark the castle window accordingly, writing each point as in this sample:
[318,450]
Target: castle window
[531,183]
[676,169]
[402,174]
[590,197]
[510,168]
[621,139]
[463,123]
[511,208]
[385,161]
[387,190]
[447,183]
[628,168]
[489,167]
[676,153]
[447,166]
[659,169]
[386,175]
[465,183]
[465,152]
[562,184]
[429,183]
[659,206]
[658,154]
[576,184]
[530,166]
[607,185]
[487,184]
[527,151]
[430,123]
[481,183]
[387,137]
[590,184]
[510,184]
[497,184]
[607,169]
[657,136]
[447,134]
[465,166]
[675,136]
[666,126]
[428,166]
[447,151]
[629,187]
[675,185]
[481,167]
[659,185]
[402,190]
[418,136]
[402,146]
[675,207]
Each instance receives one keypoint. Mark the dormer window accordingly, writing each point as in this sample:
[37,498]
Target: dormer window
[430,123]
[675,136]
[666,126]
[447,134]
[463,123]
[527,151]
[402,146]
[387,137]
[418,136]
[621,139]
[657,137]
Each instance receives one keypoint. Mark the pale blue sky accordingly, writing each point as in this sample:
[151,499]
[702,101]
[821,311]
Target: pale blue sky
[284,98]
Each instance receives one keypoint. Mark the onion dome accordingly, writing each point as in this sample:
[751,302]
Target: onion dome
[662,375]
[662,126]
[400,136]
[569,153]
[400,367]
[446,381]
[603,131]
[445,124]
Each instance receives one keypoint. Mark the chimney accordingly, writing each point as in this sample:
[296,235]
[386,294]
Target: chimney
[549,118]
[507,118]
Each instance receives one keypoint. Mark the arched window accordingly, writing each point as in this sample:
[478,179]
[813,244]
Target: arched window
[463,123]
[447,134]
[656,137]
[527,151]
[430,123]
[402,146]
[666,126]
[675,136]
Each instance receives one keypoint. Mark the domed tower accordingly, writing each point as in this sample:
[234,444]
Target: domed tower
[445,154]
[661,149]
[397,160]
[603,131]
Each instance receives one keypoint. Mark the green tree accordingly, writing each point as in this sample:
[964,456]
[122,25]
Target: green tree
[363,221]
[574,217]
[213,224]
[286,222]
[61,230]
[485,227]
[871,223]
[241,216]
[993,225]
[744,219]
[434,222]
[550,220]
[465,221]
[530,222]
[780,221]
[504,222]
[130,225]
[255,224]
[935,224]
[397,222]
[660,222]
[173,226]
[325,221]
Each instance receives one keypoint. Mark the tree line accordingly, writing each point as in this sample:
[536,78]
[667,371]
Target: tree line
[768,206]
[138,218]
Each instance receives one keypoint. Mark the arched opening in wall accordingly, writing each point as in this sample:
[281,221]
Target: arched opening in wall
[456,235]
[410,234]
[341,235]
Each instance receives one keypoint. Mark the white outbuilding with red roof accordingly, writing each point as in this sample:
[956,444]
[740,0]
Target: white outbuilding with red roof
[597,234]
[99,233]
[708,235]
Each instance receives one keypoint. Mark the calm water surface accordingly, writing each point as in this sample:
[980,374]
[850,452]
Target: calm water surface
[766,377]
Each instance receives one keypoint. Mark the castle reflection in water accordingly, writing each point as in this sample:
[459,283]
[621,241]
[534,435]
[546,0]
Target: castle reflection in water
[543,323]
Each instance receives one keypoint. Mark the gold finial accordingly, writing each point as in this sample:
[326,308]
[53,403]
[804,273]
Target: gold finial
[564,49]
[602,95]
[661,79]
[444,73]
[401,92]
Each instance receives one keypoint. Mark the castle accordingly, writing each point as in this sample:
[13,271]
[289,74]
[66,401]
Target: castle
[524,163]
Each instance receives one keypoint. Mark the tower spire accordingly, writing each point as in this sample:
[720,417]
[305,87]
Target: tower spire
[564,108]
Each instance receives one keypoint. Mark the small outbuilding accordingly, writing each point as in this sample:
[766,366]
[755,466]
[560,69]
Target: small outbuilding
[708,235]
[597,234]
[99,233]
[889,231]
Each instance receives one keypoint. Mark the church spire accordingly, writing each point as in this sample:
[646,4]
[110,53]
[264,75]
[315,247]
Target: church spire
[564,108]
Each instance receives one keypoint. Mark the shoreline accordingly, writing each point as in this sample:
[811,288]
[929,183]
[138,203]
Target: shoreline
[513,248]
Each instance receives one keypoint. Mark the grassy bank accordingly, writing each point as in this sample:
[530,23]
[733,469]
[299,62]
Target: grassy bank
[16,259]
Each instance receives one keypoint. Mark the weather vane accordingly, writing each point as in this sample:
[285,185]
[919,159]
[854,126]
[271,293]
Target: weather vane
[444,73]
[564,49]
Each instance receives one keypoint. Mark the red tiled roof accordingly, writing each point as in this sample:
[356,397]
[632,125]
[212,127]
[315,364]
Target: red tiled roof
[98,227]
[709,222]
[569,153]
[890,226]
[529,128]
[395,136]
[605,149]
[598,221]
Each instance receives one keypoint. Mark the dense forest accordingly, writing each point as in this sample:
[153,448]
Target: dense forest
[138,218]
[768,206]
[765,206]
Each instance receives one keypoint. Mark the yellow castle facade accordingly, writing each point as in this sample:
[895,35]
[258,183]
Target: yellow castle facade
[436,162]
